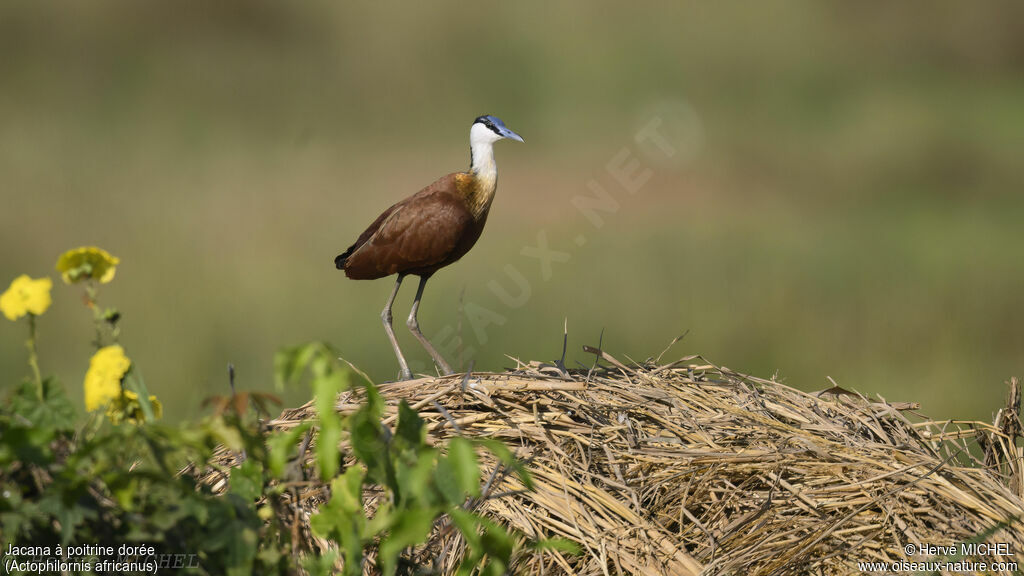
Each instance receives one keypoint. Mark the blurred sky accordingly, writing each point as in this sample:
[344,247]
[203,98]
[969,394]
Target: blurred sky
[845,199]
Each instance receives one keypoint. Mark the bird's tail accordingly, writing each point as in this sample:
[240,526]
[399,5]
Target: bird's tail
[343,257]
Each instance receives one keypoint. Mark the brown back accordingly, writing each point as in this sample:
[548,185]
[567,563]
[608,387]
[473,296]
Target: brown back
[418,235]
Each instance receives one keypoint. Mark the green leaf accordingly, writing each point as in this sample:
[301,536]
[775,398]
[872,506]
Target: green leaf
[494,567]
[410,528]
[348,488]
[26,445]
[326,388]
[342,518]
[382,519]
[496,541]
[413,481]
[320,565]
[137,384]
[225,433]
[506,457]
[247,480]
[328,458]
[410,427]
[54,412]
[558,544]
[447,482]
[290,363]
[282,447]
[500,450]
[345,503]
[124,493]
[487,539]
[464,465]
[374,402]
[241,552]
[467,523]
[368,441]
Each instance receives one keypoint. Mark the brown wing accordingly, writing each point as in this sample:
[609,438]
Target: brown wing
[342,259]
[415,234]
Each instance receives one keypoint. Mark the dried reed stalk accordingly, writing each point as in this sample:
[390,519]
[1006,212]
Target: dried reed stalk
[688,468]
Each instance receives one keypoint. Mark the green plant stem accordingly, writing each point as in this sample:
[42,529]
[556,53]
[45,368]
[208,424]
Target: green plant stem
[33,357]
[90,293]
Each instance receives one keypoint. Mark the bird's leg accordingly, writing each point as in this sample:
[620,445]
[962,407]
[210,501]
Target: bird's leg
[414,326]
[386,317]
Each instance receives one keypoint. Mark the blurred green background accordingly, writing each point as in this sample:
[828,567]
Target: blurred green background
[847,201]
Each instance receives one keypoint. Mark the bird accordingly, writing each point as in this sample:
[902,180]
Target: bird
[429,230]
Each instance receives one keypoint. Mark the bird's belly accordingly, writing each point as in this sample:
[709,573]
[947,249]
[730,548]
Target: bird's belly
[467,242]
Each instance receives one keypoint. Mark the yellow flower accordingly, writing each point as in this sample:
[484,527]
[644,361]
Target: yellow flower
[103,379]
[126,408]
[85,263]
[26,296]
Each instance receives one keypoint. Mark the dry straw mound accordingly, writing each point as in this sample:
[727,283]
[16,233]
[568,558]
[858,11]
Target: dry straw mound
[688,468]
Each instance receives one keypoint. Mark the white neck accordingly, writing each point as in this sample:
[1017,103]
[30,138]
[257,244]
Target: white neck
[483,169]
[481,146]
[482,161]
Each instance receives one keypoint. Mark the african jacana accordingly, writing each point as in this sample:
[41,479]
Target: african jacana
[429,230]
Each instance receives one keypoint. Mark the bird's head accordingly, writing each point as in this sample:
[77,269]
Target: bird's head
[490,129]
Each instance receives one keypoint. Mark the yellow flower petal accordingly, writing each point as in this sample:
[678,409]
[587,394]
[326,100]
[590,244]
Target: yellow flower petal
[85,263]
[158,407]
[103,379]
[127,408]
[26,296]
[39,296]
[12,306]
